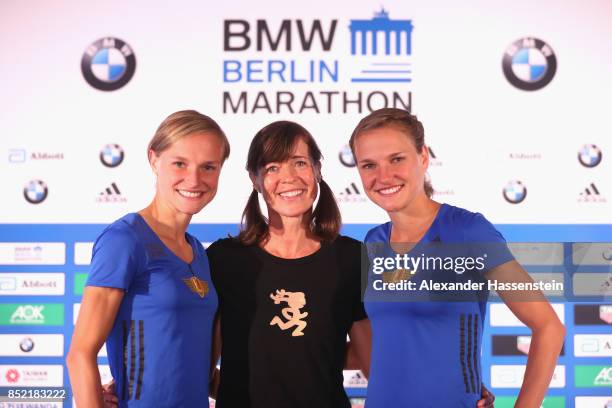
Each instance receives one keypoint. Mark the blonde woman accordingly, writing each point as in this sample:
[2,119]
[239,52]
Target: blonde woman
[149,293]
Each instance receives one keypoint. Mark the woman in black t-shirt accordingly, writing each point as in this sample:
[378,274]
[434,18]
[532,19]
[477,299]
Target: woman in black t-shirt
[289,285]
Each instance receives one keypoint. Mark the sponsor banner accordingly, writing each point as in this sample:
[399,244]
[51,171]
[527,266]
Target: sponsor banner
[357,402]
[75,312]
[38,284]
[549,402]
[501,316]
[592,253]
[32,253]
[593,314]
[105,373]
[31,345]
[537,253]
[79,283]
[355,379]
[593,345]
[15,376]
[31,405]
[592,284]
[509,345]
[511,376]
[46,314]
[587,376]
[82,253]
[590,402]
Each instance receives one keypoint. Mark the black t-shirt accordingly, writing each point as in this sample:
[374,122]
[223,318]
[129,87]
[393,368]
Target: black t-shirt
[284,323]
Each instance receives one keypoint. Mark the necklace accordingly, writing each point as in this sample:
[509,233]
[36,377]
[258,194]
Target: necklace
[196,284]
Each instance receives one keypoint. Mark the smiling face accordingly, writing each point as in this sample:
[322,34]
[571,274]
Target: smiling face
[289,187]
[188,172]
[391,169]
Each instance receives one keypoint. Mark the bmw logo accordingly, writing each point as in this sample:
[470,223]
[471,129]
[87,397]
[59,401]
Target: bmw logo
[515,192]
[26,345]
[35,191]
[108,64]
[589,155]
[529,64]
[111,155]
[346,157]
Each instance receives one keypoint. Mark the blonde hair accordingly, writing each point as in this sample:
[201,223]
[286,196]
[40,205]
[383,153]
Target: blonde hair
[184,123]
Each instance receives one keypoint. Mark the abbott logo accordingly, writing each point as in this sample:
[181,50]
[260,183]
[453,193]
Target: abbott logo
[593,345]
[28,314]
[17,156]
[8,284]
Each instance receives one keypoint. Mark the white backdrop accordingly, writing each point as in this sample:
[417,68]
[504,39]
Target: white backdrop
[474,118]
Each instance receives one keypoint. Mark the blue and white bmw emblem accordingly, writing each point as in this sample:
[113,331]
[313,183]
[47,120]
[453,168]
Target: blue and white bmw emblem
[111,155]
[590,155]
[346,157]
[529,64]
[515,192]
[108,64]
[35,191]
[26,345]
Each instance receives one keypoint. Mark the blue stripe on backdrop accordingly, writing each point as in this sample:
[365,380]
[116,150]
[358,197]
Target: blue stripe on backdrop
[72,233]
[210,232]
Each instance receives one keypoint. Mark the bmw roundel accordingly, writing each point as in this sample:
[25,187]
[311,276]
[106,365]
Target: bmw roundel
[529,64]
[515,192]
[111,155]
[590,155]
[35,191]
[108,64]
[346,157]
[26,345]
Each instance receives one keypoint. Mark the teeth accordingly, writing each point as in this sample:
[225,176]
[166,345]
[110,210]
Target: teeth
[291,193]
[390,190]
[190,194]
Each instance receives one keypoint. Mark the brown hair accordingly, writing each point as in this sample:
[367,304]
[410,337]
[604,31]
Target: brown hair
[399,119]
[276,143]
[184,123]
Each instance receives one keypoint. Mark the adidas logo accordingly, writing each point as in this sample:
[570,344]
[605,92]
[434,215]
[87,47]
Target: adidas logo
[591,194]
[351,194]
[111,194]
[352,189]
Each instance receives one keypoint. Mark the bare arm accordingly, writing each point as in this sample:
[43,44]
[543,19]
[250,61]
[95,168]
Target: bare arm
[96,317]
[360,346]
[548,333]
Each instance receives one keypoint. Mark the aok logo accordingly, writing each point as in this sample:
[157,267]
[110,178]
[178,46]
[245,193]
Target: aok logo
[28,314]
[604,377]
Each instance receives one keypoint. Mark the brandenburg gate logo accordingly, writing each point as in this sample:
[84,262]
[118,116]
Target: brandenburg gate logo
[389,60]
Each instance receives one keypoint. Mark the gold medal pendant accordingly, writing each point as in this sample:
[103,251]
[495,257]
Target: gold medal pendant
[197,285]
[397,275]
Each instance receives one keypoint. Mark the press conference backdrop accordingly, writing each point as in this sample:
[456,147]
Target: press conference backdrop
[514,97]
